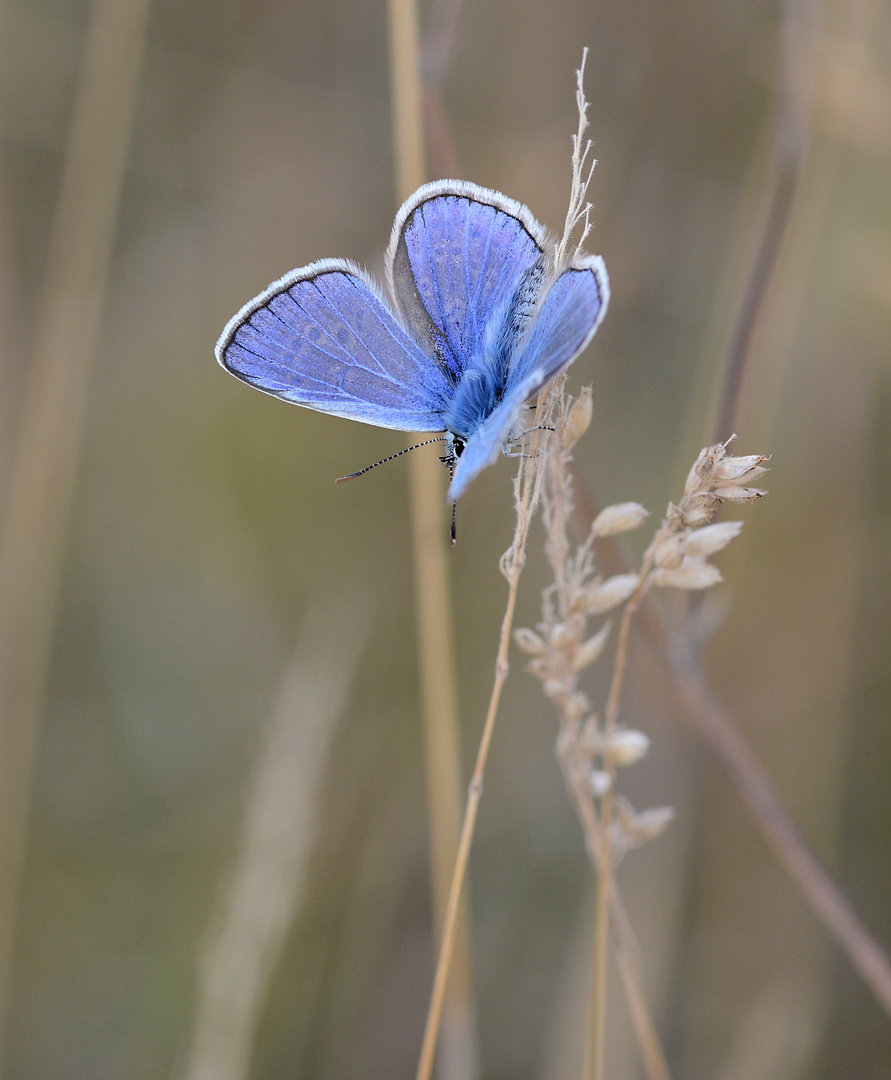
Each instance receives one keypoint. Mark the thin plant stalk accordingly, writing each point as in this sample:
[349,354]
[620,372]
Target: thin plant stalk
[527,489]
[624,950]
[433,597]
[791,139]
[46,453]
[604,882]
[623,942]
[676,557]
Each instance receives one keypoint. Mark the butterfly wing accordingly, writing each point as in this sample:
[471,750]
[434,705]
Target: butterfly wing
[565,322]
[323,337]
[561,328]
[456,257]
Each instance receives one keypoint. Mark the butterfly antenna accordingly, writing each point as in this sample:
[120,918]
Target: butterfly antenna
[383,461]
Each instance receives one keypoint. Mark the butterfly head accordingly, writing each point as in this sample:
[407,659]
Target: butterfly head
[454,448]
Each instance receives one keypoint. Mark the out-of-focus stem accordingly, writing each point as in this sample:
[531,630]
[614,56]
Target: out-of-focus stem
[624,948]
[433,601]
[798,44]
[265,885]
[44,466]
[604,883]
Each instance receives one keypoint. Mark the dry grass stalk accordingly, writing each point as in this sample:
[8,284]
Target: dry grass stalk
[436,653]
[527,493]
[592,745]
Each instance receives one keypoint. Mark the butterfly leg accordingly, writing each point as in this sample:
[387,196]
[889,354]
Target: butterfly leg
[519,438]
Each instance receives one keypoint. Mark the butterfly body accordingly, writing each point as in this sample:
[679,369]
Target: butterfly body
[480,317]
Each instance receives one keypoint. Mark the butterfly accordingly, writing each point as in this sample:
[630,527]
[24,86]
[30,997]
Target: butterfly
[480,313]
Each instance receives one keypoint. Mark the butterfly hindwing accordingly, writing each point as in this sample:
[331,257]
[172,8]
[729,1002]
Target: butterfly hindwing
[565,321]
[323,337]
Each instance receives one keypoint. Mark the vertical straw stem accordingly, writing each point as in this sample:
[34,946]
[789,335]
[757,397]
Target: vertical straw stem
[623,941]
[44,465]
[527,488]
[604,884]
[432,591]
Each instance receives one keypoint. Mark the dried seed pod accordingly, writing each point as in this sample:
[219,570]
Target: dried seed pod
[576,706]
[700,474]
[600,782]
[697,515]
[648,824]
[627,746]
[590,650]
[529,641]
[540,667]
[739,470]
[691,574]
[712,538]
[579,419]
[671,551]
[738,494]
[554,687]
[622,517]
[563,634]
[602,596]
[631,829]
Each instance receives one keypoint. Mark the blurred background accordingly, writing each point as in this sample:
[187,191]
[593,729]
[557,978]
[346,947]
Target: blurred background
[208,556]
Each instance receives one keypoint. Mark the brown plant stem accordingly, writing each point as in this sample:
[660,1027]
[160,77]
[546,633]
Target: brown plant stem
[263,889]
[623,940]
[527,487]
[825,898]
[625,952]
[604,883]
[436,654]
[799,52]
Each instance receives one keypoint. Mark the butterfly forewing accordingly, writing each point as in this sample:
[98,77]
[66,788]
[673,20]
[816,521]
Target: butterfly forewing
[323,338]
[456,258]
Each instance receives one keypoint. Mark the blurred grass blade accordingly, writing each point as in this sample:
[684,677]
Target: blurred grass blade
[433,602]
[264,890]
[46,453]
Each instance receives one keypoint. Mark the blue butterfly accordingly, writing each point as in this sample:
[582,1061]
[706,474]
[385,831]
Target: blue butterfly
[479,318]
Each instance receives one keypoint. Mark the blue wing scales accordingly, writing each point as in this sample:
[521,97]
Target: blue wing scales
[476,331]
[457,256]
[322,337]
[564,324]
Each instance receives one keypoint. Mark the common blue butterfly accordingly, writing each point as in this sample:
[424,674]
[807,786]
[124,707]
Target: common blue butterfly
[481,314]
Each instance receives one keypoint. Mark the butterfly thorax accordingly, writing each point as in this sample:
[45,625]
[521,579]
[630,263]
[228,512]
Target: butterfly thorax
[476,395]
